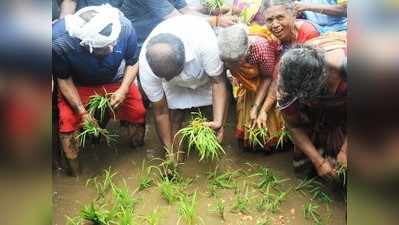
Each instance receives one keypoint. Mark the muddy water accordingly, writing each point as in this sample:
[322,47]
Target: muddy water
[71,193]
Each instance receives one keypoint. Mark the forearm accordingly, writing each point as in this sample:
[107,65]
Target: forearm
[302,141]
[67,7]
[219,97]
[130,75]
[332,10]
[261,93]
[271,97]
[162,121]
[344,148]
[70,93]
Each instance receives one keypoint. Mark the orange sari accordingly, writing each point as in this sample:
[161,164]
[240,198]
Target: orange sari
[248,79]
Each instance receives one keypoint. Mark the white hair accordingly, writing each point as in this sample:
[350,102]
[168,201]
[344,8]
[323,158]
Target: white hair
[233,42]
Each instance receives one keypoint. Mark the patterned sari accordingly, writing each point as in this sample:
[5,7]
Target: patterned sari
[262,58]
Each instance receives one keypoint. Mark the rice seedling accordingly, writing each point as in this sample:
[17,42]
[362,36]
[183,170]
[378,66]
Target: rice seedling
[283,136]
[92,129]
[267,177]
[201,138]
[153,218]
[97,214]
[241,202]
[270,201]
[213,5]
[74,221]
[257,136]
[314,188]
[219,208]
[145,181]
[100,103]
[125,216]
[187,209]
[265,221]
[105,185]
[310,211]
[342,174]
[222,180]
[123,198]
[170,191]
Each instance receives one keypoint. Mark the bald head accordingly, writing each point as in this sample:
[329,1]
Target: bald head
[165,55]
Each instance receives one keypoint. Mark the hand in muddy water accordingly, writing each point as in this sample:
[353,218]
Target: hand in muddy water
[261,120]
[326,170]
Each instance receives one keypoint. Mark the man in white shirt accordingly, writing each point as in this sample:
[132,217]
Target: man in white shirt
[180,69]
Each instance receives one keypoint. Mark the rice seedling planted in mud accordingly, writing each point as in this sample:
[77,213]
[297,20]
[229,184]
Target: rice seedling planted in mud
[257,136]
[153,218]
[144,180]
[267,177]
[92,129]
[201,138]
[97,214]
[125,216]
[266,221]
[187,209]
[270,201]
[222,180]
[314,188]
[105,185]
[100,103]
[170,191]
[241,202]
[123,198]
[219,208]
[310,211]
[74,221]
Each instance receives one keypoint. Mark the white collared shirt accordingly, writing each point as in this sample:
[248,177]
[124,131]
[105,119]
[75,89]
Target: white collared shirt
[192,87]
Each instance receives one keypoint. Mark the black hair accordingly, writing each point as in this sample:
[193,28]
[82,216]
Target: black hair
[165,55]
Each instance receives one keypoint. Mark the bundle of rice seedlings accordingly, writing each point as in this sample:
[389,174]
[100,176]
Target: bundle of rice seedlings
[200,137]
[342,174]
[101,104]
[257,136]
[92,129]
[213,5]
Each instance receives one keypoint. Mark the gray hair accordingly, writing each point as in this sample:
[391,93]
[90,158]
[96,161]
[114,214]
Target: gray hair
[165,55]
[233,43]
[288,4]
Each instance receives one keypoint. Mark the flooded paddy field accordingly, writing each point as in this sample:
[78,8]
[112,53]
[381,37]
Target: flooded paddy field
[71,194]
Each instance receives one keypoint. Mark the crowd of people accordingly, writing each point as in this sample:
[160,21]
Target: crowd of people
[284,63]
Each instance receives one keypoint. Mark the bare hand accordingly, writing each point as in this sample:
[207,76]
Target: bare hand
[325,169]
[88,118]
[226,21]
[300,7]
[117,98]
[253,113]
[217,128]
[262,119]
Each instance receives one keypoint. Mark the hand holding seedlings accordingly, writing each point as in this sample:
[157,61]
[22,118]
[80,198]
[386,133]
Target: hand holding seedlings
[117,98]
[201,137]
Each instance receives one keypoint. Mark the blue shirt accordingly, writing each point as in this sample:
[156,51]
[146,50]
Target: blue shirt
[70,59]
[85,3]
[326,23]
[145,15]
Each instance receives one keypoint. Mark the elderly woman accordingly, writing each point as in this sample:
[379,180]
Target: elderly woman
[251,60]
[312,91]
[280,20]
